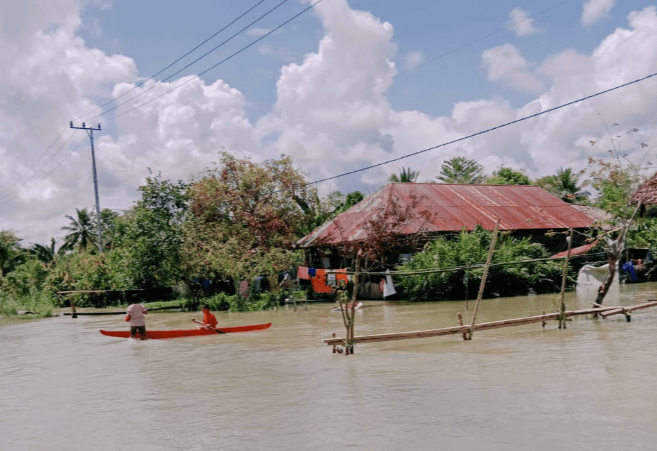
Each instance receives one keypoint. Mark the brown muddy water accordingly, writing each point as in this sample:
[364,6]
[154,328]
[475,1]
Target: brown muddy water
[593,386]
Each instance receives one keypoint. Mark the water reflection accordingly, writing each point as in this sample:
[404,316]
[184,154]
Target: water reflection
[63,386]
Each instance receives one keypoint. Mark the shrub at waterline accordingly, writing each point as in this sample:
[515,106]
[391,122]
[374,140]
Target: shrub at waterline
[37,302]
[471,248]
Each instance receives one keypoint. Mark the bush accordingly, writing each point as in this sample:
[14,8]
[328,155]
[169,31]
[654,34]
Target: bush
[469,249]
[38,302]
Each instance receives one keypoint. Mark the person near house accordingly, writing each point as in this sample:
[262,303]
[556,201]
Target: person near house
[209,320]
[135,316]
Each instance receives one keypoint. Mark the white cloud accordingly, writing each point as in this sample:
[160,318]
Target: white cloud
[505,63]
[595,10]
[521,22]
[413,60]
[331,114]
[257,32]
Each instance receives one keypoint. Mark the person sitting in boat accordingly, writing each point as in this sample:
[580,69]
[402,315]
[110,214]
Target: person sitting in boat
[209,320]
[135,316]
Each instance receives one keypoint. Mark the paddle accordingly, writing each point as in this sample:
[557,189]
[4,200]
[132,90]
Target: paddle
[209,327]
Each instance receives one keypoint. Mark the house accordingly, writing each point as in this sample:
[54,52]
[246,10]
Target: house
[416,212]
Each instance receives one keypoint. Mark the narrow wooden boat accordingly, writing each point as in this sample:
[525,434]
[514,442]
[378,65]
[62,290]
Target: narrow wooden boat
[178,333]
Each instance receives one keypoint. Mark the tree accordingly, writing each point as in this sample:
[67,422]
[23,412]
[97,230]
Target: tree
[615,182]
[46,254]
[461,170]
[565,185]
[245,218]
[507,176]
[82,230]
[10,251]
[406,175]
[107,223]
[151,235]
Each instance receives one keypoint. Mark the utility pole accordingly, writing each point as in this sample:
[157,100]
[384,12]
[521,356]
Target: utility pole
[90,132]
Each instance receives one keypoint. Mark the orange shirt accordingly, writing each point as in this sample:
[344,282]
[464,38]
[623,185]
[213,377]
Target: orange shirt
[209,318]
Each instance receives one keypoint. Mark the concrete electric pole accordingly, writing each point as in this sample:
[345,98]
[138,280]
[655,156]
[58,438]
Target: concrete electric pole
[90,132]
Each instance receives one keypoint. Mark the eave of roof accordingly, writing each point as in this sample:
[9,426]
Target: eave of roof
[435,208]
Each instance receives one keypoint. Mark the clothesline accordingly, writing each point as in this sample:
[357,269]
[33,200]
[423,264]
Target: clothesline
[441,270]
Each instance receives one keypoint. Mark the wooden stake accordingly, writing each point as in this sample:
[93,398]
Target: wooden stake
[481,326]
[460,317]
[624,310]
[562,304]
[483,279]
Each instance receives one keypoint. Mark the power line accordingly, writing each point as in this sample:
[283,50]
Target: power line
[176,87]
[215,65]
[484,131]
[176,61]
[21,176]
[51,171]
[441,56]
[192,63]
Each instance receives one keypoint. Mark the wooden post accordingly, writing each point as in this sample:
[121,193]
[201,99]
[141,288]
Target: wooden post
[73,312]
[460,317]
[562,304]
[483,279]
[544,322]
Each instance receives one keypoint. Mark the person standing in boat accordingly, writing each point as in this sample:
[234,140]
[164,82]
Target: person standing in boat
[135,316]
[209,320]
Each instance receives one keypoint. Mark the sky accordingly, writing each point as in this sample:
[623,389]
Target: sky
[338,85]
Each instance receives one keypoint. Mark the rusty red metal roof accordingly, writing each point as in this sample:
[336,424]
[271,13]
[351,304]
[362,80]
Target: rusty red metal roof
[436,207]
[576,250]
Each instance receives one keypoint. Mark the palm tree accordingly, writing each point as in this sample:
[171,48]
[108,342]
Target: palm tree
[461,170]
[47,254]
[406,175]
[82,231]
[566,184]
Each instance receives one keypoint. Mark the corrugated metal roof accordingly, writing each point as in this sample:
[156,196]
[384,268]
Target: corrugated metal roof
[576,250]
[437,207]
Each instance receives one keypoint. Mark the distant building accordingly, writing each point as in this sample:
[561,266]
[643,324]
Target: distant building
[425,210]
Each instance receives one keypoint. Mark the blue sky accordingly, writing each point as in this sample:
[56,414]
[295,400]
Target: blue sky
[347,84]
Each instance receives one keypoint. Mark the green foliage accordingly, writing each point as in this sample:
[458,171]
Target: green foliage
[468,249]
[565,185]
[82,231]
[237,303]
[35,301]
[151,235]
[507,176]
[28,277]
[461,170]
[406,175]
[245,218]
[644,235]
[10,251]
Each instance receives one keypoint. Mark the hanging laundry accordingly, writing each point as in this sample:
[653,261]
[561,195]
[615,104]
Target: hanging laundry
[312,272]
[302,273]
[629,268]
[341,277]
[388,288]
[244,289]
[319,282]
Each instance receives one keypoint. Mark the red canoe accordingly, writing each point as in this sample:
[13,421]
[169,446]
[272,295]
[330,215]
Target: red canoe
[176,333]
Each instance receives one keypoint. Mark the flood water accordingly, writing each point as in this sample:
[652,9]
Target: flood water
[593,386]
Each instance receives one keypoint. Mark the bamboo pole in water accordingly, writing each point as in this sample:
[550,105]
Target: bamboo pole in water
[562,304]
[464,329]
[627,310]
[483,279]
